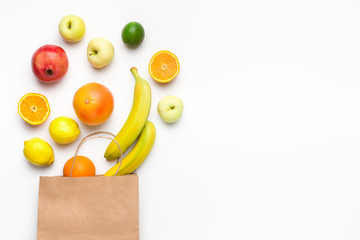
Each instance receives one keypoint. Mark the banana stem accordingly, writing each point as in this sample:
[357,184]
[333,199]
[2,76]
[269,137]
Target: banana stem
[135,72]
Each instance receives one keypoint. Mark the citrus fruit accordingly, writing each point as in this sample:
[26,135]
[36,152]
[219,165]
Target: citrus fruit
[34,108]
[93,103]
[38,152]
[164,66]
[64,130]
[83,167]
[133,34]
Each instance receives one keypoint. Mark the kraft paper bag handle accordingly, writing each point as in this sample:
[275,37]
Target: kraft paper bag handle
[92,136]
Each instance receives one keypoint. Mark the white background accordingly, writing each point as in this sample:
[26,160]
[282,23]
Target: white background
[268,145]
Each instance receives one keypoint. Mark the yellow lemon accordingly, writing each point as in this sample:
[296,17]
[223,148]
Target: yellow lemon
[64,130]
[38,152]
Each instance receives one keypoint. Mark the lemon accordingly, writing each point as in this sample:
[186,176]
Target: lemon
[38,152]
[64,130]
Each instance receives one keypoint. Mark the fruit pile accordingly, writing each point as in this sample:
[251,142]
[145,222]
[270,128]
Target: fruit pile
[93,103]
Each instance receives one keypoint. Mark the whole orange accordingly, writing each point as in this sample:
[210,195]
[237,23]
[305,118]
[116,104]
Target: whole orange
[83,167]
[93,103]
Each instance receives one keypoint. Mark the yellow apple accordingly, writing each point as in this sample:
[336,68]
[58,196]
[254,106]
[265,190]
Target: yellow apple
[100,52]
[170,108]
[72,28]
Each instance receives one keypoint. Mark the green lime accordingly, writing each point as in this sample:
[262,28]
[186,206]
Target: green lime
[133,34]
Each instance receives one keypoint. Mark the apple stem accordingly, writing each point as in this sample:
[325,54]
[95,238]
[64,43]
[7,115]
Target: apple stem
[93,52]
[49,71]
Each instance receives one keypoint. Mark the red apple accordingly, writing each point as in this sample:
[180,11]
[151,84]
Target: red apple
[49,63]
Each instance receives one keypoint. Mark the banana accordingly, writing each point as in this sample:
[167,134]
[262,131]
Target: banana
[136,119]
[138,154]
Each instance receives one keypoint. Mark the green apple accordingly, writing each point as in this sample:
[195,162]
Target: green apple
[100,52]
[72,28]
[170,109]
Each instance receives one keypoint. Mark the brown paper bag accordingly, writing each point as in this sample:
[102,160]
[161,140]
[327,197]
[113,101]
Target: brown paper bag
[88,208]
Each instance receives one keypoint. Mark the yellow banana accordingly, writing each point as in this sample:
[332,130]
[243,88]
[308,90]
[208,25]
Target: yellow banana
[136,119]
[138,154]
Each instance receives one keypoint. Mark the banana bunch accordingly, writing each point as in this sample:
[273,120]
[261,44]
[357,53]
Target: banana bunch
[138,154]
[136,126]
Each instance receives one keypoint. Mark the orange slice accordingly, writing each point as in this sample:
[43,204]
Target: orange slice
[164,66]
[34,108]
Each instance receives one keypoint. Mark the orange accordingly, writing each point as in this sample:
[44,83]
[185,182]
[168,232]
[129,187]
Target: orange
[164,66]
[34,108]
[83,167]
[93,103]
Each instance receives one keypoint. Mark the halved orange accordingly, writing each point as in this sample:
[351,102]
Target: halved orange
[34,108]
[164,66]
